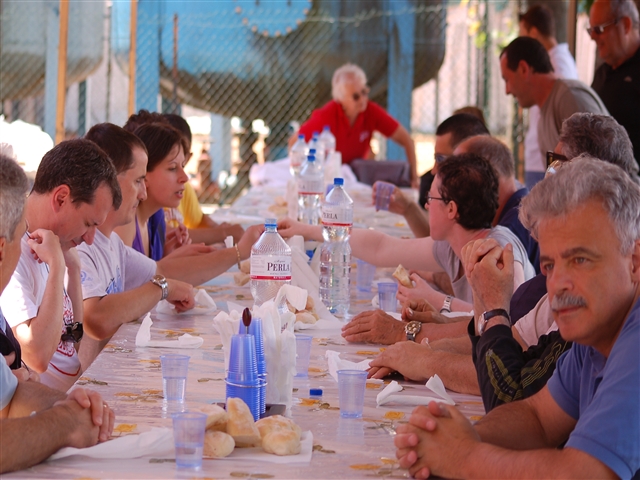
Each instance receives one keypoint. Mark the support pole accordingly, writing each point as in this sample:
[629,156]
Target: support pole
[62,70]
[572,23]
[132,57]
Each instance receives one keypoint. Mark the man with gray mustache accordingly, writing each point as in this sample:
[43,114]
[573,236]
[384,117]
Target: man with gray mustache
[586,219]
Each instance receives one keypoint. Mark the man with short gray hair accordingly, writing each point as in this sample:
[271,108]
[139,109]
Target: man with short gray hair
[586,218]
[615,27]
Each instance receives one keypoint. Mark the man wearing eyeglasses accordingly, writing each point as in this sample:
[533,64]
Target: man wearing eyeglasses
[353,118]
[615,27]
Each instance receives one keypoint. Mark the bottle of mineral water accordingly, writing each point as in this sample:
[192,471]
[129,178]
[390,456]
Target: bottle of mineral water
[335,255]
[316,143]
[328,141]
[270,264]
[297,156]
[310,190]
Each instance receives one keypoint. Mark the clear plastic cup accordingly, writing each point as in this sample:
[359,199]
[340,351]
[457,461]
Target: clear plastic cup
[364,275]
[387,296]
[351,387]
[188,435]
[303,352]
[174,376]
[383,195]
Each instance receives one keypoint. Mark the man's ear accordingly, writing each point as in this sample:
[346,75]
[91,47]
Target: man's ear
[60,195]
[627,25]
[3,246]
[524,68]
[452,210]
[635,261]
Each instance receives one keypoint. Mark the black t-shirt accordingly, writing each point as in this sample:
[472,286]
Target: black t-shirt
[619,89]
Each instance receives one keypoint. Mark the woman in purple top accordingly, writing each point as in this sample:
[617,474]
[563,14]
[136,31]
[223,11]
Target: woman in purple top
[165,185]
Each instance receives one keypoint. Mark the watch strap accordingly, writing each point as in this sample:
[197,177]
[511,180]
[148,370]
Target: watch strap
[446,306]
[161,281]
[488,315]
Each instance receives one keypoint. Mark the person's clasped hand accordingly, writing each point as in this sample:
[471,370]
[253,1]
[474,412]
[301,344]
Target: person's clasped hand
[374,326]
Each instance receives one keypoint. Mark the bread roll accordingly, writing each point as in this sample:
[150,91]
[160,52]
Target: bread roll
[402,276]
[277,422]
[306,317]
[217,444]
[241,278]
[240,424]
[216,417]
[282,442]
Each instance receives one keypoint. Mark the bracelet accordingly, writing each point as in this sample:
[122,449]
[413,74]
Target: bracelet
[238,255]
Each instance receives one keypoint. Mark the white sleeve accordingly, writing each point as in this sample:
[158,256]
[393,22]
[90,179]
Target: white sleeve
[536,323]
[93,285]
[18,301]
[138,268]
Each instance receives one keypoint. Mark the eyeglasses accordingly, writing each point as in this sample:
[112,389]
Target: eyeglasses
[555,161]
[363,93]
[440,157]
[599,29]
[73,333]
[429,198]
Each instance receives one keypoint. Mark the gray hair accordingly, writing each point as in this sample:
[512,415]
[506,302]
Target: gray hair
[584,179]
[493,150]
[601,137]
[346,73]
[625,8]
[13,193]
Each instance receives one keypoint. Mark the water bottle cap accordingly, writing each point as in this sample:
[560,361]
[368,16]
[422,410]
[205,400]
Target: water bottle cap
[315,392]
[316,134]
[312,151]
[270,222]
[338,181]
[326,128]
[311,158]
[301,136]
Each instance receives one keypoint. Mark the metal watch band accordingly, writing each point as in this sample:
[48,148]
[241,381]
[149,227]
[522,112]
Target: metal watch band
[412,329]
[446,306]
[161,281]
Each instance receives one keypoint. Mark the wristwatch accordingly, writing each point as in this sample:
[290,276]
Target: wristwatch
[161,281]
[446,306]
[412,329]
[488,315]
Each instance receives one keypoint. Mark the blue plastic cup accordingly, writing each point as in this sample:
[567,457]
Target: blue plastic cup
[255,329]
[243,364]
[364,275]
[383,195]
[188,435]
[351,387]
[387,296]
[174,376]
[303,352]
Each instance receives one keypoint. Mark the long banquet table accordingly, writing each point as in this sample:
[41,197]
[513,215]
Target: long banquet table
[130,379]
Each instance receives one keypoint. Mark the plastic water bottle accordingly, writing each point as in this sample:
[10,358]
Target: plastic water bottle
[316,143]
[328,141]
[335,255]
[310,190]
[297,156]
[270,264]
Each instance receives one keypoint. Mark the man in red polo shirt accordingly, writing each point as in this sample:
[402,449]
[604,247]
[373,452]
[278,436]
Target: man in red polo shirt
[352,119]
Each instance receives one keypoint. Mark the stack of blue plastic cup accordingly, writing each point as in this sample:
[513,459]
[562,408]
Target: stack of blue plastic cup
[242,378]
[255,329]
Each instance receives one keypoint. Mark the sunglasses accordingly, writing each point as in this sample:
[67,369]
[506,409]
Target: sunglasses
[363,93]
[73,333]
[555,161]
[599,29]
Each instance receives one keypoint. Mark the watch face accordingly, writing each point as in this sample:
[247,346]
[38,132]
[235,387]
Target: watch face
[413,327]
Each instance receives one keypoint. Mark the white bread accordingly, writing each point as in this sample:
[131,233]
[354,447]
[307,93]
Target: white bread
[217,444]
[282,442]
[216,417]
[277,422]
[402,276]
[240,424]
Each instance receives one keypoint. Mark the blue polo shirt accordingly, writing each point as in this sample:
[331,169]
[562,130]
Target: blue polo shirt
[509,218]
[603,395]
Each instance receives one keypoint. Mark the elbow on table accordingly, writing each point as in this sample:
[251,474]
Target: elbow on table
[94,326]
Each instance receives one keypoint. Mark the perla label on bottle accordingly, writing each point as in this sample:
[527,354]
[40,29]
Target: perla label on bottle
[310,186]
[336,216]
[271,267]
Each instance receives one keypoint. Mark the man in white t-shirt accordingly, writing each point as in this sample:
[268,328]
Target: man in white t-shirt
[35,420]
[74,189]
[538,23]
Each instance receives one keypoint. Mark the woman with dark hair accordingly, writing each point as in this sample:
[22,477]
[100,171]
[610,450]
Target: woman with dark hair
[462,203]
[165,182]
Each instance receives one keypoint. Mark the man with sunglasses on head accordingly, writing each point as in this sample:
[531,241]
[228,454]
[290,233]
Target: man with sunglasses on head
[74,190]
[529,77]
[615,27]
[353,118]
